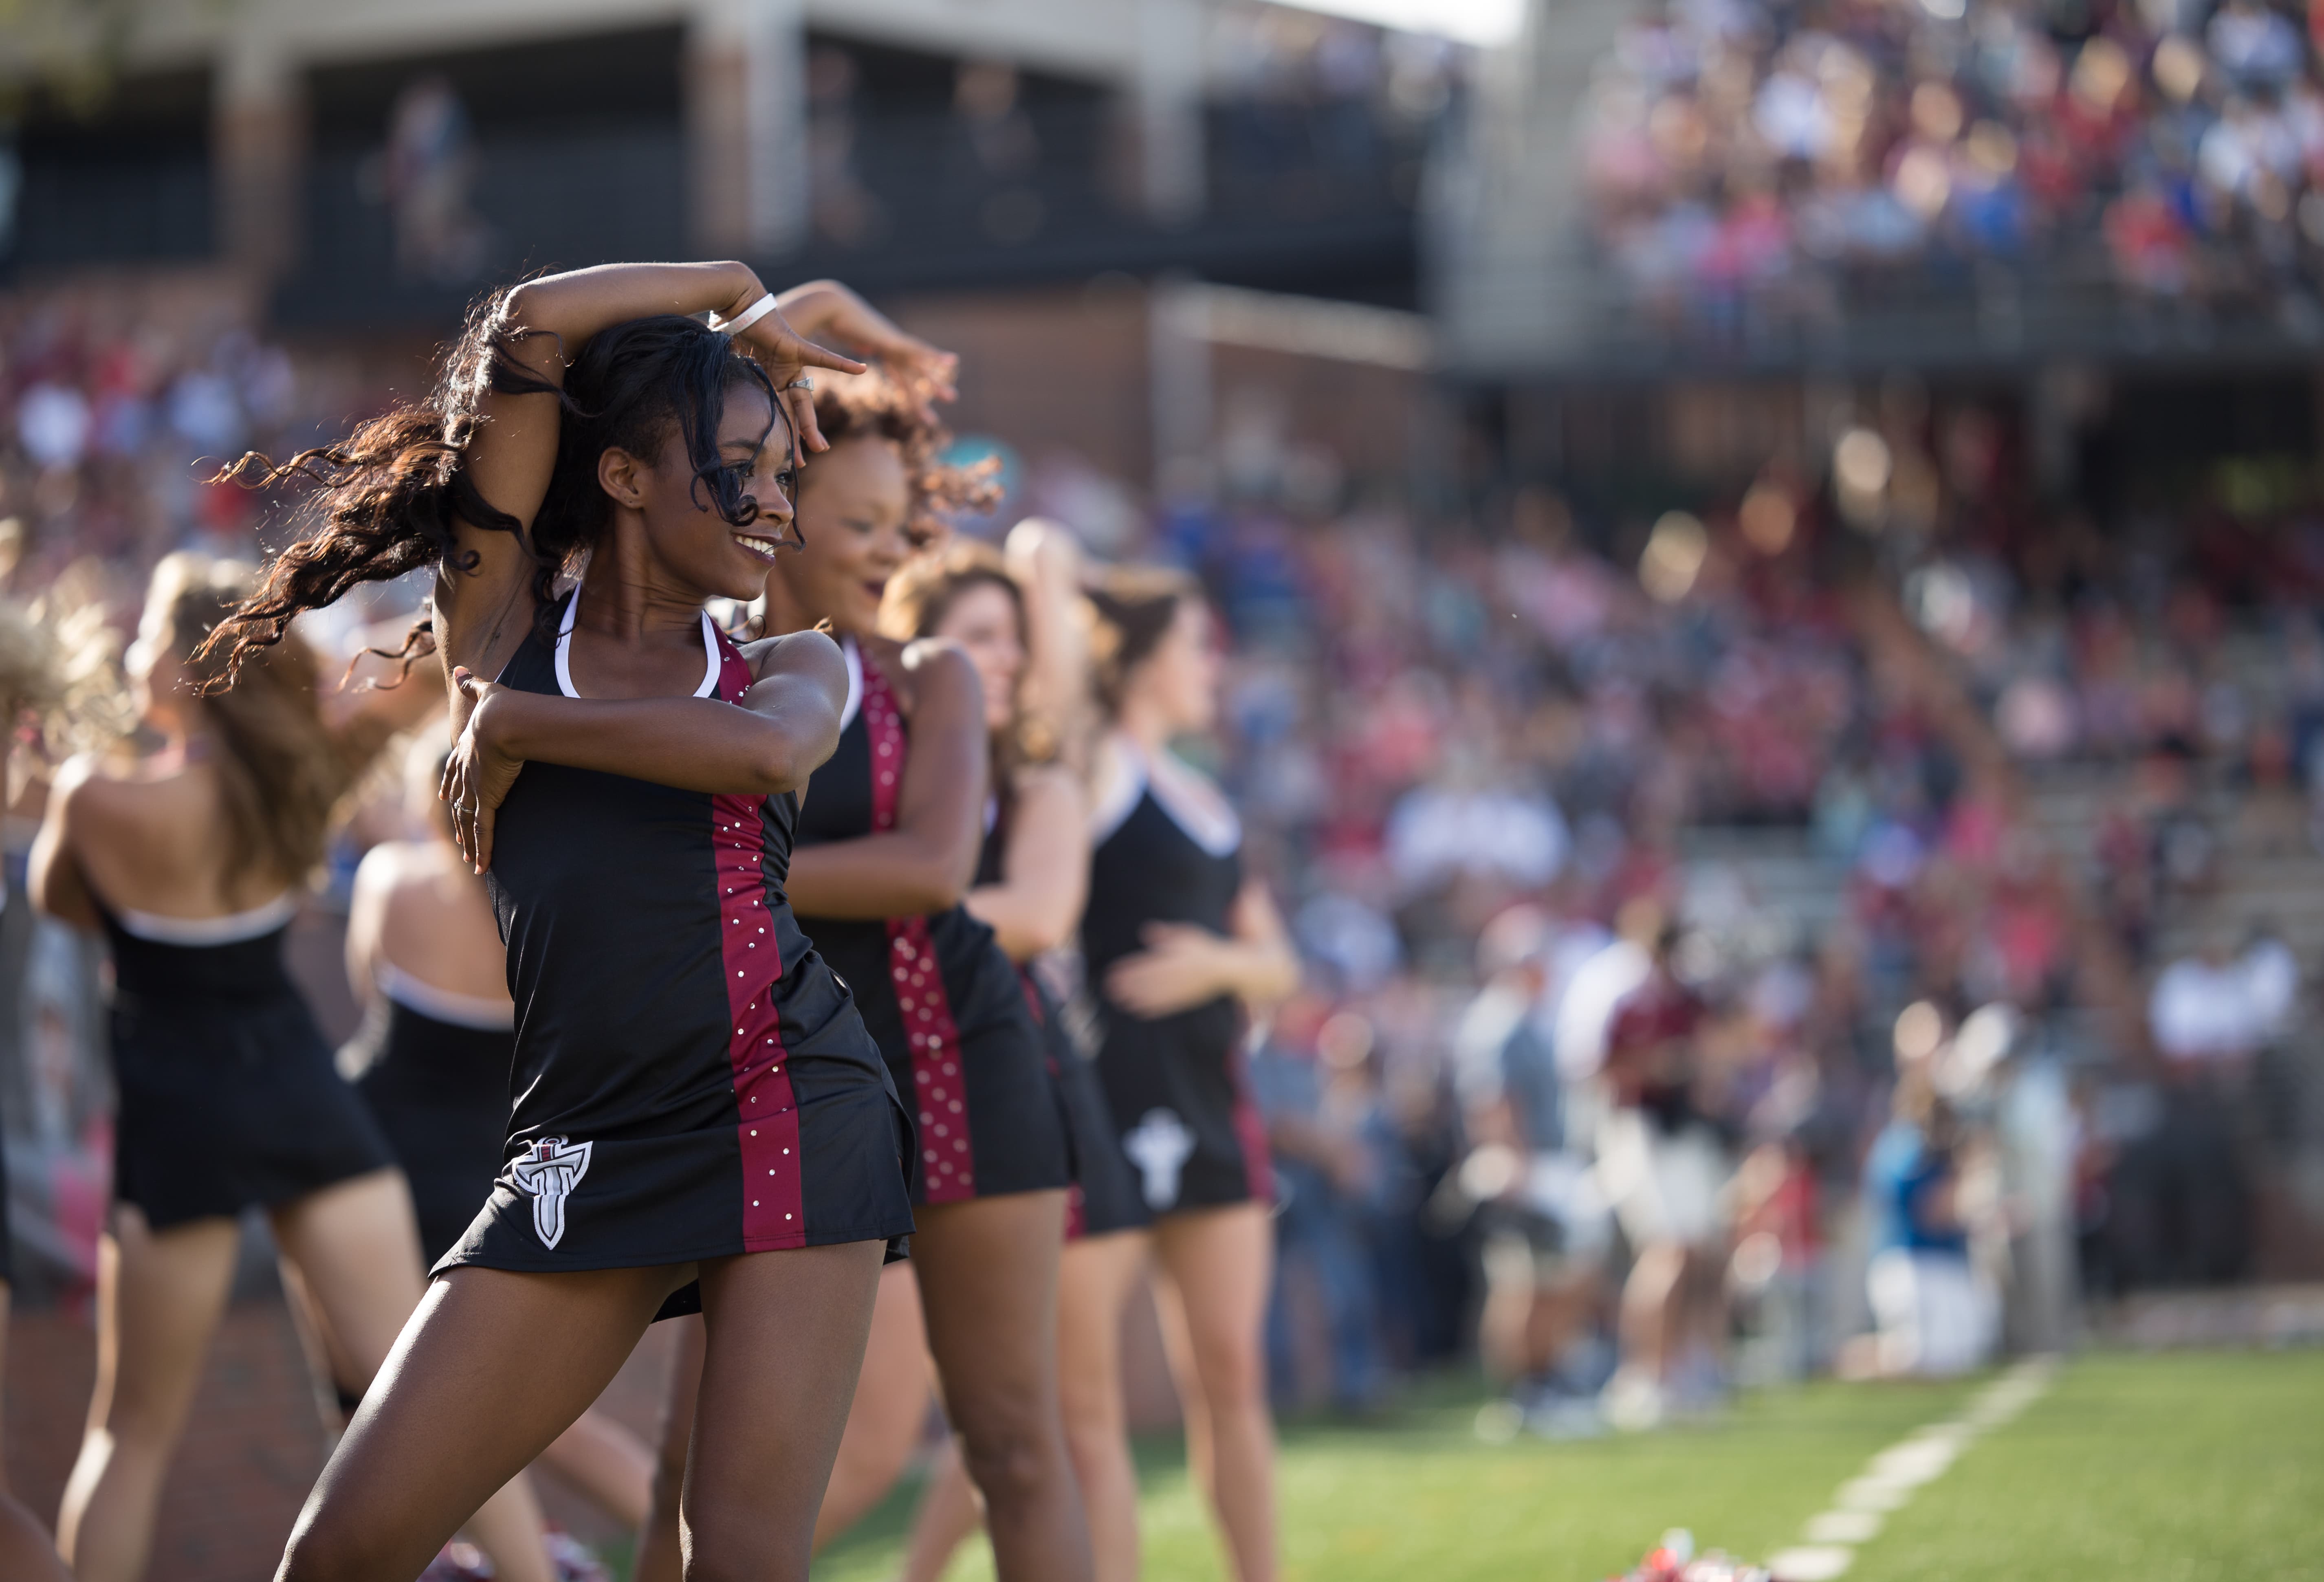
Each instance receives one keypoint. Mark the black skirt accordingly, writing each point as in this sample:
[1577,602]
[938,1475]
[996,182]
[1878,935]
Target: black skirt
[229,1098]
[439,1091]
[1105,1197]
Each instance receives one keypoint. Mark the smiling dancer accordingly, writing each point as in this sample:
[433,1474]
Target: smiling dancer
[190,856]
[432,1060]
[888,846]
[699,1120]
[1180,943]
[1016,620]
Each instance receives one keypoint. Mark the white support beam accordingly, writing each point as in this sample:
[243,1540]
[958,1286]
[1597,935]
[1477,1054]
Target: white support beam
[746,122]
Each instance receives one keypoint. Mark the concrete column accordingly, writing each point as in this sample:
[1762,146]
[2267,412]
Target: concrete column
[746,127]
[258,147]
[1167,96]
[1179,383]
[1513,283]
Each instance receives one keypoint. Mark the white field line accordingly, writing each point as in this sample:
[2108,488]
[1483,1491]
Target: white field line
[1891,1479]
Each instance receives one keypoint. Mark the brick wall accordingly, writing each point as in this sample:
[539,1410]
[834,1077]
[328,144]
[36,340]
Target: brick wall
[252,1449]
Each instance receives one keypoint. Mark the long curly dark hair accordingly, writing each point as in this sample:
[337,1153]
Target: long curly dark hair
[389,499]
[852,406]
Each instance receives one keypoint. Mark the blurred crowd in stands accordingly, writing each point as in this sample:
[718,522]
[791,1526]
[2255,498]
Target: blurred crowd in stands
[1696,992]
[1738,147]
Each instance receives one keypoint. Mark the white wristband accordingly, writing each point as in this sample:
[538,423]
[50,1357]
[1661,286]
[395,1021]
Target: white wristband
[746,318]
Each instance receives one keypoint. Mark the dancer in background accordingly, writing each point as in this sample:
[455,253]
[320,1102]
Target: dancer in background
[30,678]
[1180,945]
[700,1122]
[190,853]
[888,846]
[433,1058]
[1018,621]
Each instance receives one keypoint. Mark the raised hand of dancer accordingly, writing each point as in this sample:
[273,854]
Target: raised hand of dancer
[787,354]
[829,309]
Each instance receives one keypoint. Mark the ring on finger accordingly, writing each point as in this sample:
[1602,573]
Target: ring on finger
[801,383]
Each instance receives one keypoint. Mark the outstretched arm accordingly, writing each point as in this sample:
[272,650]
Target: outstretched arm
[785,725]
[825,310]
[1045,559]
[926,863]
[1044,868]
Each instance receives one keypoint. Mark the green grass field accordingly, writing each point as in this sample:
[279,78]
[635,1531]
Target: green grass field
[2164,1468]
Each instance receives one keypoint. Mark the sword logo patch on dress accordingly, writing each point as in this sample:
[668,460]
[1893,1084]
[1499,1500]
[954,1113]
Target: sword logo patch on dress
[549,1170]
[1160,1146]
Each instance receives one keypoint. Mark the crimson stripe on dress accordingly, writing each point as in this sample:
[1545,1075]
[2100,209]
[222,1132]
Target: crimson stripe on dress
[949,1173]
[774,1207]
[1250,1131]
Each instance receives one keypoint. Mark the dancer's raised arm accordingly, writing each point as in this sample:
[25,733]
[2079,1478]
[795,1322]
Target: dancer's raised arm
[458,482]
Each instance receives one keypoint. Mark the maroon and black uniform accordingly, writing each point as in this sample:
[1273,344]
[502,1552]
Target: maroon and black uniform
[937,994]
[1105,1197]
[691,1081]
[1650,1053]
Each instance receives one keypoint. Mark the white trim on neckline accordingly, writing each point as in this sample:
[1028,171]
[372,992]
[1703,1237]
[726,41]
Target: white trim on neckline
[1214,828]
[854,657]
[1120,794]
[198,933]
[481,1012]
[709,688]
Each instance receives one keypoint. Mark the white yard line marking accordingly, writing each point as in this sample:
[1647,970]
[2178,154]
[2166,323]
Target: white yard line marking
[1891,1479]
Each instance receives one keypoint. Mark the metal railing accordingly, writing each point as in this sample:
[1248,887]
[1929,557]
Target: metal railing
[903,201]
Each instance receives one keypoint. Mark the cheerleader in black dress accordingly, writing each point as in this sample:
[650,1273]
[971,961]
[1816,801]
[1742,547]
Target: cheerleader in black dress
[1016,618]
[432,1060]
[189,858]
[889,838]
[1179,942]
[699,1120]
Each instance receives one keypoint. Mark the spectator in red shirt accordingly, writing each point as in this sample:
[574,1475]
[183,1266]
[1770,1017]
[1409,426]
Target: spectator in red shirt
[1665,1167]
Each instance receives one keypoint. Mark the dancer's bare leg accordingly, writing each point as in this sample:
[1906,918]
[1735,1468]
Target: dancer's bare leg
[1096,1282]
[608,1464]
[987,1273]
[888,1404]
[784,1339]
[159,1298]
[1096,1278]
[355,1248]
[950,1511]
[660,1556]
[493,1367]
[26,1550]
[1212,1271]
[891,1408]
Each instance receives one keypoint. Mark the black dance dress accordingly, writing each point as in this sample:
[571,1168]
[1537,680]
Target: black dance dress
[229,1098]
[435,1070]
[941,1001]
[690,1081]
[1177,1085]
[1105,1197]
